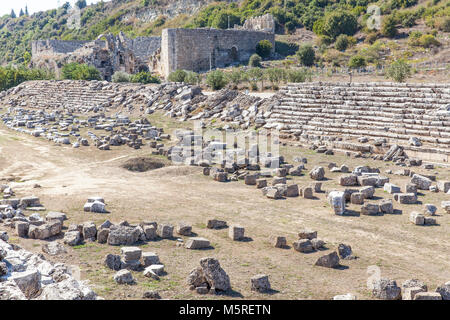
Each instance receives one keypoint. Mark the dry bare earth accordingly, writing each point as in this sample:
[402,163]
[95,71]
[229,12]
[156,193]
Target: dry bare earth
[175,194]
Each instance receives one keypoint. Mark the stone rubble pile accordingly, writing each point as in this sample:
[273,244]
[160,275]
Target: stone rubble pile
[24,275]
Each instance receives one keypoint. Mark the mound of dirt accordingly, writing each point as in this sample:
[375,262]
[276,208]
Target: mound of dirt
[143,164]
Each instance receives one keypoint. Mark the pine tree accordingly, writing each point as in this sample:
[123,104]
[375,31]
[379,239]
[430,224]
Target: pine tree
[13,14]
[26,10]
[21,14]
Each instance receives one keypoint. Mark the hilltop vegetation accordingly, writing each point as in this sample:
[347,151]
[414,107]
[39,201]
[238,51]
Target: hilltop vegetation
[410,31]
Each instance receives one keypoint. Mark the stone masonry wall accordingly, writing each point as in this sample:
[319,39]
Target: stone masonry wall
[199,49]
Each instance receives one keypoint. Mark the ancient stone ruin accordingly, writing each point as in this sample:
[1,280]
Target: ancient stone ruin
[175,49]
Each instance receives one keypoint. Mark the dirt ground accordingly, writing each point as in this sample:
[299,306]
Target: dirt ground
[182,194]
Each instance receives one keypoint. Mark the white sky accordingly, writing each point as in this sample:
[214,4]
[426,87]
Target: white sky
[34,5]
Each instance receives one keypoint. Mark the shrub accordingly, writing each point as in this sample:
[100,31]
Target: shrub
[177,76]
[255,61]
[120,76]
[76,71]
[192,78]
[306,55]
[339,22]
[290,27]
[235,77]
[264,48]
[372,37]
[286,48]
[357,61]
[428,40]
[398,70]
[389,26]
[12,76]
[216,79]
[443,24]
[300,75]
[254,75]
[144,77]
[341,43]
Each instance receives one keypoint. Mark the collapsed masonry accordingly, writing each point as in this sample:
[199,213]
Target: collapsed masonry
[413,119]
[190,49]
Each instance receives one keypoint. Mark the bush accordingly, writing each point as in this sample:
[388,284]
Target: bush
[144,77]
[372,37]
[264,48]
[398,70]
[389,26]
[192,78]
[286,48]
[76,71]
[253,76]
[306,55]
[357,61]
[443,24]
[255,61]
[120,76]
[177,76]
[216,79]
[339,22]
[290,27]
[428,40]
[235,77]
[12,76]
[297,76]
[341,43]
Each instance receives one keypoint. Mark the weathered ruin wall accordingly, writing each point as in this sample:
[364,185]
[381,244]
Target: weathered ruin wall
[144,47]
[55,46]
[199,49]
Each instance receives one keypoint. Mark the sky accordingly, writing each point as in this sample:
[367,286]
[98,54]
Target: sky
[34,5]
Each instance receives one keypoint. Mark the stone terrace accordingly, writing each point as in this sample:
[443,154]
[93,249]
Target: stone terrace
[396,112]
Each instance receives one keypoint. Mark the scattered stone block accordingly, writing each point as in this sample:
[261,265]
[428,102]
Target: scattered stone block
[236,233]
[197,243]
[216,224]
[303,245]
[124,277]
[165,231]
[330,260]
[260,283]
[184,229]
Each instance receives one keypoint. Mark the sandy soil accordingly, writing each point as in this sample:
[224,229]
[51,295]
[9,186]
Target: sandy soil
[182,194]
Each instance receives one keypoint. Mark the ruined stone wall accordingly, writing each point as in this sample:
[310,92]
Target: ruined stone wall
[55,46]
[199,49]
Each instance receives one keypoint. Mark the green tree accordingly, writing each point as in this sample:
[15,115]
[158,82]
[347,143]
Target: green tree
[264,48]
[341,43]
[300,75]
[177,76]
[26,58]
[399,70]
[216,79]
[120,77]
[255,61]
[357,61]
[81,4]
[389,26]
[254,75]
[306,55]
[76,71]
[235,77]
[13,14]
[192,78]
[21,13]
[339,22]
[144,77]
[225,19]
